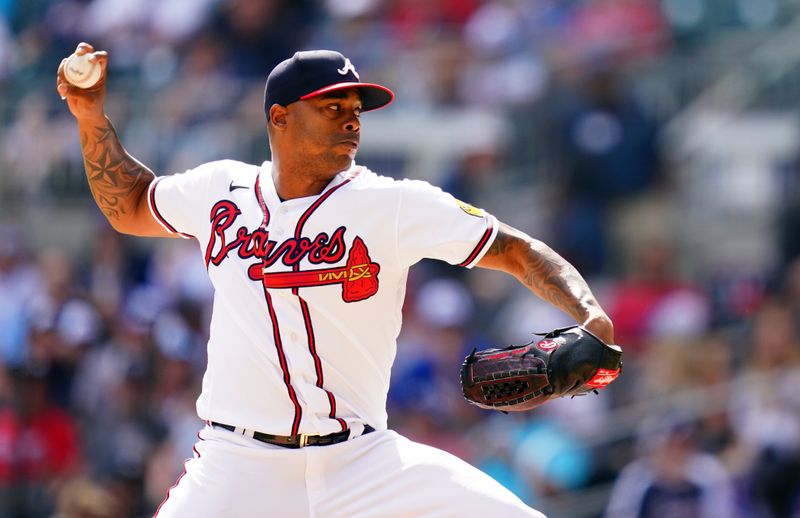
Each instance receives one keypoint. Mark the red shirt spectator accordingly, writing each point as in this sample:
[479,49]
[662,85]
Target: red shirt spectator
[48,445]
[10,430]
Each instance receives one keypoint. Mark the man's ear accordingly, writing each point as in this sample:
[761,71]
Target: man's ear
[277,116]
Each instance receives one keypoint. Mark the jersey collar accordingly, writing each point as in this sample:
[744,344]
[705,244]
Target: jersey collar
[270,193]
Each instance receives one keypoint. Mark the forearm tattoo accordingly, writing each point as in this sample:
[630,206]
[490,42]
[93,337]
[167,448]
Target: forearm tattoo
[116,179]
[545,272]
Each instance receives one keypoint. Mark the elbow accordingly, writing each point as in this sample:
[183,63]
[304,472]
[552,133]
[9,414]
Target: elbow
[122,225]
[132,219]
[119,226]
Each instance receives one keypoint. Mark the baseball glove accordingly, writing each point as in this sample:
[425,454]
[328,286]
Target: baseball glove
[569,361]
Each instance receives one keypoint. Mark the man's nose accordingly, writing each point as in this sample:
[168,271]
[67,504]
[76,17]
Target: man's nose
[352,124]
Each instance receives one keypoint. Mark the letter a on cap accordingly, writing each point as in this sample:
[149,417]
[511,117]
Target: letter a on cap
[348,66]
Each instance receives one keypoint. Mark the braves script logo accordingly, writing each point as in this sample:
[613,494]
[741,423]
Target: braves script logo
[359,276]
[348,66]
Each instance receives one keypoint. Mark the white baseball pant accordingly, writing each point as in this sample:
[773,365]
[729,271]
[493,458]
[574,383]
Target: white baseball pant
[378,475]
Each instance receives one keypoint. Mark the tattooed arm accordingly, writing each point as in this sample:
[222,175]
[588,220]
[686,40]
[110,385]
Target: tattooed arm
[117,180]
[549,276]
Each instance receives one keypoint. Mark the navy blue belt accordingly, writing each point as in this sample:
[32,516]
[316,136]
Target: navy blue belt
[293,441]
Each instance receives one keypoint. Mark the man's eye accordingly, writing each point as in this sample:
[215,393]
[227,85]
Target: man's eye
[334,107]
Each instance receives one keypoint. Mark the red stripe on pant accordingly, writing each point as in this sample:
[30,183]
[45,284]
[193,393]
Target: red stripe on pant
[196,456]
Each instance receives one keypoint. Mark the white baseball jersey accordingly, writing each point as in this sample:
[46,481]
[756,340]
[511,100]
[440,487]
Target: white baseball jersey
[309,291]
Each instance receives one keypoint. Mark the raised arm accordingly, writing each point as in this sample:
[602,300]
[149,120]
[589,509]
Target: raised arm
[117,180]
[549,276]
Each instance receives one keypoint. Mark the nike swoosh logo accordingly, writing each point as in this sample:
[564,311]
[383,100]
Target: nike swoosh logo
[232,187]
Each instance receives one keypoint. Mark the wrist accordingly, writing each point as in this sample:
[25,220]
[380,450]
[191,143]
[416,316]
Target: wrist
[600,325]
[93,119]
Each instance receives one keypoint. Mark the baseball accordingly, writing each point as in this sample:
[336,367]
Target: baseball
[81,72]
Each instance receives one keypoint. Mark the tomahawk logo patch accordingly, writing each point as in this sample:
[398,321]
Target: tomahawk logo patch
[358,277]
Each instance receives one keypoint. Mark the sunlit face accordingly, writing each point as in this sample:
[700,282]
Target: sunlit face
[326,128]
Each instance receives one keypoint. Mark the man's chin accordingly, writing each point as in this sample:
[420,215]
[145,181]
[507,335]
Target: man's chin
[345,159]
[338,163]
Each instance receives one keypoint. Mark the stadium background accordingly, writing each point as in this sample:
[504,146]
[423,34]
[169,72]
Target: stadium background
[652,143]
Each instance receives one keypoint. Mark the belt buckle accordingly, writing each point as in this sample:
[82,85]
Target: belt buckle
[304,438]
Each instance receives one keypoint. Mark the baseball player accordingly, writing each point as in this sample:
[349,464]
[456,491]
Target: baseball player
[309,256]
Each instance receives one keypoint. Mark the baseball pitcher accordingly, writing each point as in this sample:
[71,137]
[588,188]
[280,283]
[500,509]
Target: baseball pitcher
[309,255]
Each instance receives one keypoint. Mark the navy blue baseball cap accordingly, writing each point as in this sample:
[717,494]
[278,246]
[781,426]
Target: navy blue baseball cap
[314,72]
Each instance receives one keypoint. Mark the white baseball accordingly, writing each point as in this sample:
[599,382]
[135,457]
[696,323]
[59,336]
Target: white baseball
[81,72]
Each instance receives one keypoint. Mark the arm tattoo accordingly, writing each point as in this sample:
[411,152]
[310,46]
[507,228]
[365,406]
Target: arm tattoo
[116,179]
[555,280]
[542,270]
[502,243]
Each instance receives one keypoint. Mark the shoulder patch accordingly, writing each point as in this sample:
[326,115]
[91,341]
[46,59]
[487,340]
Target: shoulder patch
[471,210]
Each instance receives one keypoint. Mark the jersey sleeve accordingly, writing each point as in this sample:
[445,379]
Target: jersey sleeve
[176,201]
[435,225]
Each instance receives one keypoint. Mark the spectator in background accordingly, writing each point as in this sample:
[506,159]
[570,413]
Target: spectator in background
[703,366]
[766,413]
[128,349]
[63,325]
[672,478]
[654,302]
[258,34]
[123,441]
[17,276]
[10,429]
[497,50]
[610,155]
[48,448]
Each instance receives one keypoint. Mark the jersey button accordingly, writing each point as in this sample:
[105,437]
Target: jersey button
[283,210]
[294,336]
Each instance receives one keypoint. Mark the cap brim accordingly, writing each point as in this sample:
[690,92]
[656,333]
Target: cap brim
[373,96]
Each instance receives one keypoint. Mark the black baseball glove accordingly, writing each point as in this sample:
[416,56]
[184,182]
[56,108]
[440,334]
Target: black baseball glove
[569,361]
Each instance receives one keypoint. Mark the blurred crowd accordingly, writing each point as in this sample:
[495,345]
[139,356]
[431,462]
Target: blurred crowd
[102,336]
